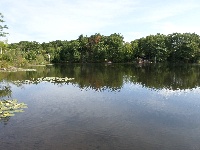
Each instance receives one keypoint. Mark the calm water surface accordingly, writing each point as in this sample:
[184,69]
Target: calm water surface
[105,107]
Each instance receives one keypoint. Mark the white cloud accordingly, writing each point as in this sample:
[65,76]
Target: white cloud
[155,11]
[47,20]
[62,18]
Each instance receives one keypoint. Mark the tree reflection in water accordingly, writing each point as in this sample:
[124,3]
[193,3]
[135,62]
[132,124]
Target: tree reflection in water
[5,90]
[153,110]
[101,77]
[8,108]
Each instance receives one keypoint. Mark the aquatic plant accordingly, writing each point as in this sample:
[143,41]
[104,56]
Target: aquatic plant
[55,79]
[8,108]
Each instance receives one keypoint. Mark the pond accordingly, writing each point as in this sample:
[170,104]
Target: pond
[103,107]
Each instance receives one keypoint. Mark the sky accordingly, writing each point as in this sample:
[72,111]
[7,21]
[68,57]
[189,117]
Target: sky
[50,20]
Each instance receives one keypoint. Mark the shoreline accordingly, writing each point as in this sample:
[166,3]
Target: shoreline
[15,69]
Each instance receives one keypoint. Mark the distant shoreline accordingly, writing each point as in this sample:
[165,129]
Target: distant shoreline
[15,69]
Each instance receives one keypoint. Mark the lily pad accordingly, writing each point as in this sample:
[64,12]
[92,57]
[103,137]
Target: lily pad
[8,108]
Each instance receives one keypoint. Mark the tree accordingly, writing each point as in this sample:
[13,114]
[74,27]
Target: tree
[2,27]
[157,47]
[128,52]
[69,52]
[83,42]
[184,47]
[2,33]
[115,47]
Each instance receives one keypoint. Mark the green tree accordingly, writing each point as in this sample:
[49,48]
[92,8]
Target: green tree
[128,52]
[2,26]
[53,49]
[2,33]
[115,47]
[153,48]
[100,51]
[135,48]
[184,47]
[157,47]
[69,52]
[2,47]
[83,46]
[141,51]
[96,48]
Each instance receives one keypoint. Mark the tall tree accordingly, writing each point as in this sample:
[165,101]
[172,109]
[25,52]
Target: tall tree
[2,33]
[184,47]
[115,46]
[2,26]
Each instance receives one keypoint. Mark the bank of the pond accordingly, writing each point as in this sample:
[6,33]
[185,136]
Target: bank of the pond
[15,69]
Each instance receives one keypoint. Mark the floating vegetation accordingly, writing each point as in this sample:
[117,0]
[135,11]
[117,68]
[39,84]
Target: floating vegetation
[47,79]
[14,69]
[8,108]
[55,79]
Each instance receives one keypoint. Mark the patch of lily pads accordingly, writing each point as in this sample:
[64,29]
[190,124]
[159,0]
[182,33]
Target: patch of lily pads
[45,79]
[55,79]
[8,108]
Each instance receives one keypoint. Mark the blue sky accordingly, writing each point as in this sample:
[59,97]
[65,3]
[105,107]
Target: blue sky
[50,20]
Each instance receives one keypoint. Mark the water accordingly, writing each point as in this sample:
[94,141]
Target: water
[104,107]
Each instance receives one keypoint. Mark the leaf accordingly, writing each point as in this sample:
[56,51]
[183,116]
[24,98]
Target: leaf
[19,110]
[8,108]
[8,115]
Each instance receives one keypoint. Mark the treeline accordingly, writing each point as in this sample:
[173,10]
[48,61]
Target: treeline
[174,47]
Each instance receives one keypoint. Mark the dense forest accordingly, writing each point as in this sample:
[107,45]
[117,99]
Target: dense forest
[97,48]
[174,47]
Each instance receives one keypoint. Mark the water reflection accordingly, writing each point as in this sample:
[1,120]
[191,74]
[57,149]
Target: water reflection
[8,107]
[5,90]
[100,77]
[157,107]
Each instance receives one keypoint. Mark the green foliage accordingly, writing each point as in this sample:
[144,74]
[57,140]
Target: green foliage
[128,52]
[153,48]
[2,27]
[4,64]
[3,45]
[174,47]
[13,57]
[115,47]
[184,47]
[70,52]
